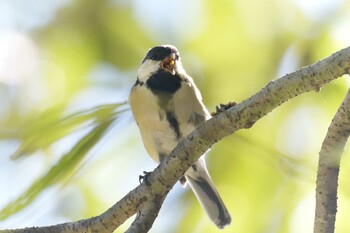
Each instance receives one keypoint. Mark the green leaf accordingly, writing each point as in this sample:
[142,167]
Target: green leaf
[65,167]
[48,128]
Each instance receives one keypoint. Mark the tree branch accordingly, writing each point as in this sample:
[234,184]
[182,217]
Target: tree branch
[242,115]
[328,168]
[146,216]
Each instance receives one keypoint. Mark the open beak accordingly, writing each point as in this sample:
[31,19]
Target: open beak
[169,63]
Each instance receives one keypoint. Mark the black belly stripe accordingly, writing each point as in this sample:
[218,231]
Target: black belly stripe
[170,116]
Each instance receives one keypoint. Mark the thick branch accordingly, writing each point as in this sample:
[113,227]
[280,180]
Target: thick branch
[242,115]
[328,169]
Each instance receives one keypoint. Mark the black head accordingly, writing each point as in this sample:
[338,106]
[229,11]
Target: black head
[161,52]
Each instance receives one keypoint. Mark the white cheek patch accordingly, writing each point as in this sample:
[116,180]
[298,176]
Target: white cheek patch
[147,68]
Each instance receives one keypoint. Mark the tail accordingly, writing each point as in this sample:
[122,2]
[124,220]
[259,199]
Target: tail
[205,191]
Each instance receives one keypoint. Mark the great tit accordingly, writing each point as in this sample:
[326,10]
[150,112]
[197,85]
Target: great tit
[167,106]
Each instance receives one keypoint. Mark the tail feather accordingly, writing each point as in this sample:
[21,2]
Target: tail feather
[205,191]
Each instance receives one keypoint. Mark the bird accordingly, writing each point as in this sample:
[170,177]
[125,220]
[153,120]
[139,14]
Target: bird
[167,106]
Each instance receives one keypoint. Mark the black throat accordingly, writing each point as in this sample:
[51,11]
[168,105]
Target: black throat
[163,82]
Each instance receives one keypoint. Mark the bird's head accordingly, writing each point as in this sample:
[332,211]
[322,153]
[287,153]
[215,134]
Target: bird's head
[162,57]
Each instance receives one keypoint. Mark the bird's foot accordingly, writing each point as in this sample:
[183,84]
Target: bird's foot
[223,107]
[144,177]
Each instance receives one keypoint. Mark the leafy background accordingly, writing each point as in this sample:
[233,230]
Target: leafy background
[70,149]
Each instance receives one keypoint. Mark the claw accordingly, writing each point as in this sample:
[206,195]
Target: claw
[223,107]
[144,177]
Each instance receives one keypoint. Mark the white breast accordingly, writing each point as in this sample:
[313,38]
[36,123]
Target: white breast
[157,135]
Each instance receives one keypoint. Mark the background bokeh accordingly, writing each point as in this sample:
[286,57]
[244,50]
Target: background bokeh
[70,149]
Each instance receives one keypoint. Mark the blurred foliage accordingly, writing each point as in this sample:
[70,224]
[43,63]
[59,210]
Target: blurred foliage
[36,137]
[72,73]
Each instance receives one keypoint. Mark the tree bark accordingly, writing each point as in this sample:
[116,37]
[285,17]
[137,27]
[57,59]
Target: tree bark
[328,169]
